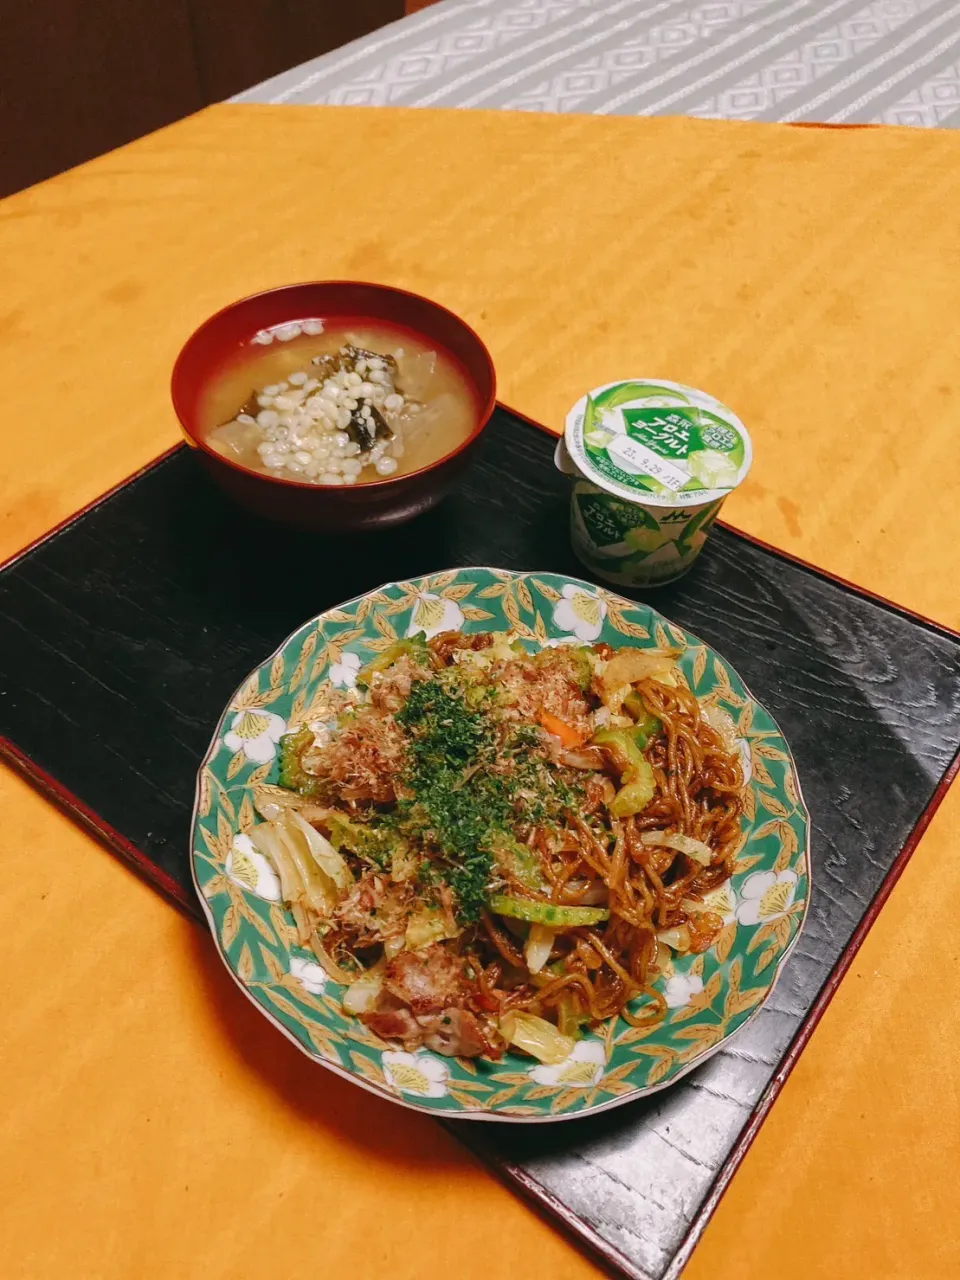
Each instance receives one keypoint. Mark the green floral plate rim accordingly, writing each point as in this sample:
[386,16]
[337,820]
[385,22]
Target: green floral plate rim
[709,997]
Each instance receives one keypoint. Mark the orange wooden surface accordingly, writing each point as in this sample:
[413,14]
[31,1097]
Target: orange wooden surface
[153,1126]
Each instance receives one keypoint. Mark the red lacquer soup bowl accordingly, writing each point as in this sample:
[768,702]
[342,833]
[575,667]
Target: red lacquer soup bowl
[224,339]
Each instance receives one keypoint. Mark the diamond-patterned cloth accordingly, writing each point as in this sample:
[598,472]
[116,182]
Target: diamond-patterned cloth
[890,61]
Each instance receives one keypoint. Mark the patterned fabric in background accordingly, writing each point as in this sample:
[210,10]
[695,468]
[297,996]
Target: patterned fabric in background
[845,61]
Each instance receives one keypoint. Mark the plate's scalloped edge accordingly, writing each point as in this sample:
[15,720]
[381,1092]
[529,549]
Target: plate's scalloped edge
[501,1116]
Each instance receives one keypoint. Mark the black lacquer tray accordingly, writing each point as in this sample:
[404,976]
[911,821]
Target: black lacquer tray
[124,633]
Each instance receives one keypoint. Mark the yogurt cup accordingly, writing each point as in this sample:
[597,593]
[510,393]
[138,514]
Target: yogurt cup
[652,462]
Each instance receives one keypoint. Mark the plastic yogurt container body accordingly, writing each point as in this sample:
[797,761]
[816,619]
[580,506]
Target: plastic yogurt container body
[652,462]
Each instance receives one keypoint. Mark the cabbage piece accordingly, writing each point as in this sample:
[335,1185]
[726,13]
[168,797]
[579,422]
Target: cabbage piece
[426,926]
[696,849]
[329,965]
[570,1017]
[720,720]
[362,995]
[629,665]
[289,849]
[323,853]
[535,1036]
[270,801]
[266,838]
[538,946]
[318,889]
[679,939]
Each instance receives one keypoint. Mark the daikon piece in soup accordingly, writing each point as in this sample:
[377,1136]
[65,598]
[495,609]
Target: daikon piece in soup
[338,403]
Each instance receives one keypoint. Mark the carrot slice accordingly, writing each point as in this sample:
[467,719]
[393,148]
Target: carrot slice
[569,736]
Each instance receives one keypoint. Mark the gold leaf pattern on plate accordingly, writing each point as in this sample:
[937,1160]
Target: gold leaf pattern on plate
[379,645]
[512,612]
[245,963]
[760,771]
[750,804]
[277,667]
[790,788]
[745,723]
[253,917]
[659,1071]
[466,1100]
[204,794]
[790,846]
[473,1086]
[773,805]
[748,1000]
[620,623]
[725,940]
[216,884]
[249,694]
[734,976]
[548,592]
[260,774]
[217,853]
[272,965]
[767,959]
[298,705]
[385,627]
[762,935]
[699,665]
[230,926]
[286,931]
[246,817]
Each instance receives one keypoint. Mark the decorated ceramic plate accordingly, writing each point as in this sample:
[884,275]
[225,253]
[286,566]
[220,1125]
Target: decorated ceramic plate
[708,996]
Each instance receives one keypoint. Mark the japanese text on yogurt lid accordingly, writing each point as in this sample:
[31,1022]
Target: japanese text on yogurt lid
[658,442]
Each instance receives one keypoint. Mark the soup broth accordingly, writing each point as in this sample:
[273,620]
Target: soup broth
[338,404]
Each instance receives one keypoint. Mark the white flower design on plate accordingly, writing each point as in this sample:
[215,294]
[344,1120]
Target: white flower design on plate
[309,974]
[746,759]
[680,989]
[581,1069]
[417,1073]
[256,734]
[581,612]
[246,866]
[766,896]
[344,673]
[433,614]
[721,902]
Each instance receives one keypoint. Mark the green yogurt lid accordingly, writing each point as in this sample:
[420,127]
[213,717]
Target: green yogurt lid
[658,443]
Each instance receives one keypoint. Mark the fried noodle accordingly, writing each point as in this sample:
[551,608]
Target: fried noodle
[503,819]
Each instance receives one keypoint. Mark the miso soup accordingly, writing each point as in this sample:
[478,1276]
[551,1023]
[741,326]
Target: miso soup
[328,403]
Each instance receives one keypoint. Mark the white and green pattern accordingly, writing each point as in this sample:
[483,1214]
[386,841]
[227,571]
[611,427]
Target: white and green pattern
[652,462]
[709,996]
